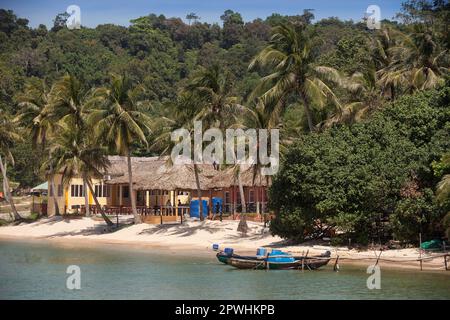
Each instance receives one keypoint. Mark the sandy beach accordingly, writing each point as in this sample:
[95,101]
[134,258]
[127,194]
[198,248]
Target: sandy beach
[197,236]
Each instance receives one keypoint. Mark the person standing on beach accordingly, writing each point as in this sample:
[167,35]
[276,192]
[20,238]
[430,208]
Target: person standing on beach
[219,211]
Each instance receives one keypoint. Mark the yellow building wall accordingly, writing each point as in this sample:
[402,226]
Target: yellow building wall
[66,201]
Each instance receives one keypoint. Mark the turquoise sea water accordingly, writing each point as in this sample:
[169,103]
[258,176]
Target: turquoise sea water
[38,271]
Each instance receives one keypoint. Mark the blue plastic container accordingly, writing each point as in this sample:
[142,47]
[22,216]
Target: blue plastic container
[280,256]
[215,246]
[228,251]
[261,251]
[195,209]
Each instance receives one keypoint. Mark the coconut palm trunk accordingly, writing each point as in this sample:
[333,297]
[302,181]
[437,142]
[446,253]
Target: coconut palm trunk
[308,112]
[242,226]
[131,193]
[55,199]
[86,198]
[241,191]
[199,191]
[99,207]
[8,194]
[52,186]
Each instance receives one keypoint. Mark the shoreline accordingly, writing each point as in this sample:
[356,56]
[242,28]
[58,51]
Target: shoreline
[196,239]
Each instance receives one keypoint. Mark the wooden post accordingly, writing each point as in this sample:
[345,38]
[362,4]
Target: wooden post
[257,201]
[176,205]
[303,260]
[420,250]
[445,262]
[336,264]
[120,195]
[378,258]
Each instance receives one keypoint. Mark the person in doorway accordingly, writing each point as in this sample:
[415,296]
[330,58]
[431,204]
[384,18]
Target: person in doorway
[219,211]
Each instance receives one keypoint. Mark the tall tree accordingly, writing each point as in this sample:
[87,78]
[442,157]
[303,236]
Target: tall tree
[173,116]
[76,154]
[212,87]
[8,137]
[120,123]
[34,116]
[69,102]
[291,57]
[418,62]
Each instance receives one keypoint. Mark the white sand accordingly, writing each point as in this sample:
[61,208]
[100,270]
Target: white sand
[201,235]
[191,233]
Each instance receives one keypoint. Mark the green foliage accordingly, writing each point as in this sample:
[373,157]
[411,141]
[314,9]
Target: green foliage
[351,177]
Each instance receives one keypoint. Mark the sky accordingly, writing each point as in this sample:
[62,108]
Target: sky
[95,12]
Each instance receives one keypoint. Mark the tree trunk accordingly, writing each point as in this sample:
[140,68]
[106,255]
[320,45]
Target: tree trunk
[131,193]
[99,207]
[86,198]
[52,186]
[242,226]
[8,195]
[241,191]
[308,113]
[199,191]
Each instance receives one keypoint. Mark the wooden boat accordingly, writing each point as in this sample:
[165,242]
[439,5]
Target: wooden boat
[262,263]
[224,257]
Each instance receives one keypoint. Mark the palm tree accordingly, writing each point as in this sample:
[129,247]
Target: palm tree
[211,88]
[365,97]
[8,137]
[34,117]
[388,79]
[173,116]
[69,102]
[291,56]
[417,60]
[120,123]
[261,116]
[74,153]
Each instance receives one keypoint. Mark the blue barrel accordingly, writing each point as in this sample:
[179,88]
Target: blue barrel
[195,209]
[228,251]
[261,251]
[215,246]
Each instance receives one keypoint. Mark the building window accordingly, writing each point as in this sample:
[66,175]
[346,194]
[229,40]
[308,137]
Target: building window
[251,196]
[227,197]
[76,190]
[101,191]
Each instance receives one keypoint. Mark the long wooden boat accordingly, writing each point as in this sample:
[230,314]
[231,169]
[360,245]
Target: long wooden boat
[302,264]
[255,262]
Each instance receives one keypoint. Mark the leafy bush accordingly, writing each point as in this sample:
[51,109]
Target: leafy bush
[353,176]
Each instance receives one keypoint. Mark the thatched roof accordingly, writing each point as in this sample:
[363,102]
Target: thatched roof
[156,173]
[227,178]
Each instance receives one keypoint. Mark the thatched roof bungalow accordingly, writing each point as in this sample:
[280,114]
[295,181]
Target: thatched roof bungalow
[157,181]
